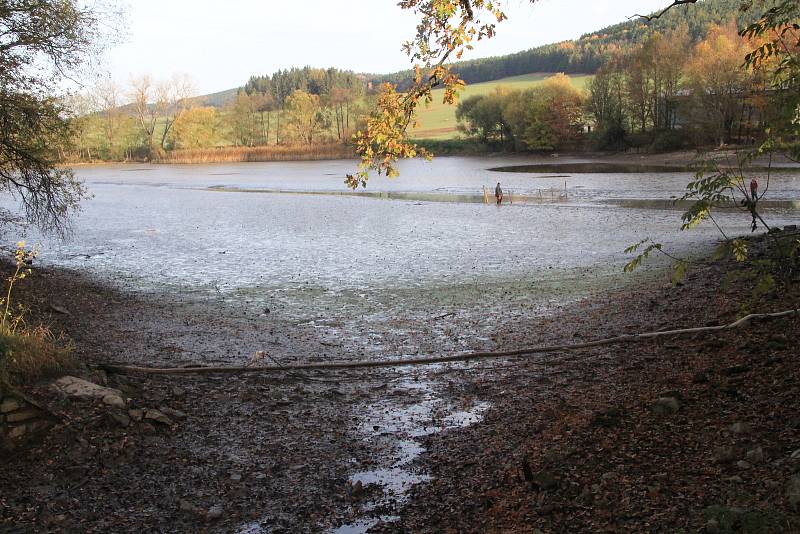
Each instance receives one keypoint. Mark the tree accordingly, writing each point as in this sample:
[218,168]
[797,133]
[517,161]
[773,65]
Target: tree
[195,128]
[606,103]
[777,33]
[554,119]
[142,93]
[303,116]
[41,41]
[720,87]
[264,104]
[241,114]
[173,98]
[481,116]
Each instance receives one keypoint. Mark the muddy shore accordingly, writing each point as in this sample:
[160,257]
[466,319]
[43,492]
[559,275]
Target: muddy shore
[568,442]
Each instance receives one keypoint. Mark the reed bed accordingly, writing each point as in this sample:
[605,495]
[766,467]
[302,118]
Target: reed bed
[258,153]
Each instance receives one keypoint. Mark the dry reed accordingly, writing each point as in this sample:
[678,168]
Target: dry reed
[31,353]
[258,153]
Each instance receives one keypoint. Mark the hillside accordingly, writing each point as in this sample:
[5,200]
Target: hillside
[218,99]
[587,53]
[438,120]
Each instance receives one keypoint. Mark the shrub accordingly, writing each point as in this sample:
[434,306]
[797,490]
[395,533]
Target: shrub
[668,140]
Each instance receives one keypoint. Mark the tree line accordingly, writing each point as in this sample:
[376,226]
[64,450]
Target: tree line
[546,117]
[146,118]
[665,93]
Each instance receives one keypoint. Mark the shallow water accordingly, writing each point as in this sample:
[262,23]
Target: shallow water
[319,257]
[161,225]
[398,427]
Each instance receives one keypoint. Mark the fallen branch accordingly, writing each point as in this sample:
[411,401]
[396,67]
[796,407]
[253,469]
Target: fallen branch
[626,338]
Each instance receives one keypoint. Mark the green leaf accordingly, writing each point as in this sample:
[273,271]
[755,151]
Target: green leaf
[679,271]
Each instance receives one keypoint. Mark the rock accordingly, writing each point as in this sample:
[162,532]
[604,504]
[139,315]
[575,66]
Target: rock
[700,377]
[741,464]
[725,455]
[158,417]
[178,391]
[214,513]
[586,497]
[120,418]
[357,490]
[666,405]
[58,309]
[9,405]
[186,506]
[544,480]
[740,428]
[17,432]
[24,415]
[115,401]
[236,477]
[72,386]
[793,490]
[136,414]
[175,414]
[736,370]
[35,426]
[607,418]
[755,456]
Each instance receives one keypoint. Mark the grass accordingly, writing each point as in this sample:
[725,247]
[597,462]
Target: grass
[438,120]
[258,153]
[31,353]
[27,353]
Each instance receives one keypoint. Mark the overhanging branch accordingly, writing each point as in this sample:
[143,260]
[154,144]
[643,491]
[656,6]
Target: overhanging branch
[661,13]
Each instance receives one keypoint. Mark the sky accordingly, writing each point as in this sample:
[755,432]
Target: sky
[221,44]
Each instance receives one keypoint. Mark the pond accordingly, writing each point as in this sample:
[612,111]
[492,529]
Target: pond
[292,237]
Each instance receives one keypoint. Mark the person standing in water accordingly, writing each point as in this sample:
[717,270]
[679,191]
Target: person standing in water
[498,194]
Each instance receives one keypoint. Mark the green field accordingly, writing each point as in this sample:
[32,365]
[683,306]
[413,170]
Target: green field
[438,121]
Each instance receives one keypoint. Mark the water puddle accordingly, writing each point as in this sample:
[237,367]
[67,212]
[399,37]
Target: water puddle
[394,428]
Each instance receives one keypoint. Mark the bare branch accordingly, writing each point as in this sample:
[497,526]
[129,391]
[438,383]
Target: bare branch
[661,13]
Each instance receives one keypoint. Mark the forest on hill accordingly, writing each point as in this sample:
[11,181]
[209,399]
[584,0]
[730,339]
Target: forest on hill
[589,52]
